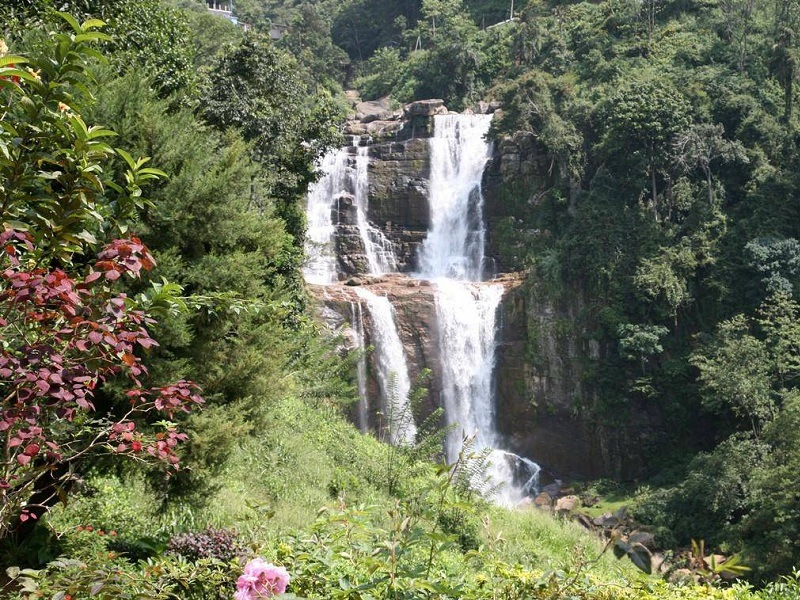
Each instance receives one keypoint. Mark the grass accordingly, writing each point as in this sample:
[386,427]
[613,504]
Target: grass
[538,540]
[610,503]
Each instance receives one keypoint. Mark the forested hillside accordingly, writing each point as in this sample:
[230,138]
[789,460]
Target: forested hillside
[171,409]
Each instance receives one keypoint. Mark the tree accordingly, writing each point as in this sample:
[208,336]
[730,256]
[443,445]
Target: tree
[739,25]
[65,326]
[640,123]
[137,32]
[702,144]
[446,63]
[260,90]
[735,372]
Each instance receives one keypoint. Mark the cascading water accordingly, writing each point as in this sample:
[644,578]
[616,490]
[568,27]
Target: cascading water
[392,369]
[453,255]
[377,247]
[466,320]
[343,175]
[357,320]
[453,247]
[320,267]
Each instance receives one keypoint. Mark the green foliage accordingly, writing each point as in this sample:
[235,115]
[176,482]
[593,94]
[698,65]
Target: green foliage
[138,33]
[385,74]
[105,575]
[260,91]
[53,165]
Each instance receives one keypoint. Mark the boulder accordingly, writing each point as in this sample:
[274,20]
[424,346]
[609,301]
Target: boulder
[481,108]
[354,281]
[554,489]
[383,128]
[423,108]
[682,576]
[543,501]
[645,538]
[606,520]
[355,128]
[567,504]
[373,108]
[369,118]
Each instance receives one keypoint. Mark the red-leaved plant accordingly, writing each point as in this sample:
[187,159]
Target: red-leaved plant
[61,337]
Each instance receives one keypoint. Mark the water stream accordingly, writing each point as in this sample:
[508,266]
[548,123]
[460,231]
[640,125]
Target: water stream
[320,266]
[453,255]
[362,408]
[392,370]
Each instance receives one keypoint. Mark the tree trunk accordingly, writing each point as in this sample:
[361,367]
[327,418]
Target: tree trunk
[654,192]
[710,183]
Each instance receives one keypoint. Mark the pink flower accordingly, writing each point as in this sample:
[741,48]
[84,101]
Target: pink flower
[261,580]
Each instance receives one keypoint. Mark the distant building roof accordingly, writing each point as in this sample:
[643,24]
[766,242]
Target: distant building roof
[277,30]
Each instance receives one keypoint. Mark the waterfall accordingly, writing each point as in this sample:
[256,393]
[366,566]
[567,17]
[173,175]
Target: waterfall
[342,175]
[466,318]
[320,267]
[452,255]
[392,369]
[454,245]
[357,320]
[377,247]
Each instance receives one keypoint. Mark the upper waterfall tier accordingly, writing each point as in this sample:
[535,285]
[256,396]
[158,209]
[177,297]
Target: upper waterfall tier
[454,246]
[320,267]
[343,185]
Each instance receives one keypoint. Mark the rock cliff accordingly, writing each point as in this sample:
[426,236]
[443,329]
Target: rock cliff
[544,352]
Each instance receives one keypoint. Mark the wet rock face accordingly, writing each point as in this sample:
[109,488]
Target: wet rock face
[518,162]
[415,310]
[398,195]
[538,378]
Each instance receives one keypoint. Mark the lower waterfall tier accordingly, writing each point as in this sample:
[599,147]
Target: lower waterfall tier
[548,432]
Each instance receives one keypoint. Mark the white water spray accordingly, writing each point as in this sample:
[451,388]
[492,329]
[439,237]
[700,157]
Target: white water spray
[320,267]
[452,255]
[357,320]
[390,361]
[343,174]
[466,318]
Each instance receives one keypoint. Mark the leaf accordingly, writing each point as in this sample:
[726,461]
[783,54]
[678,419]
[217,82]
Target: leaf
[12,59]
[12,572]
[620,549]
[127,157]
[641,558]
[92,24]
[73,22]
[93,36]
[62,495]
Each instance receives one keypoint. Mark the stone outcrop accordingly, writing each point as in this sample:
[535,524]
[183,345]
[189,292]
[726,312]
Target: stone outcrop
[399,168]
[398,195]
[415,309]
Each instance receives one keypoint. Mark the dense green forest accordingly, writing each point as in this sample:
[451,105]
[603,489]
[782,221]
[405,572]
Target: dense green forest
[170,408]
